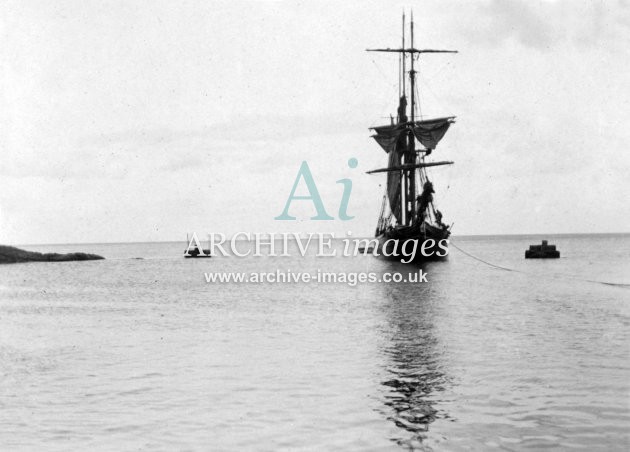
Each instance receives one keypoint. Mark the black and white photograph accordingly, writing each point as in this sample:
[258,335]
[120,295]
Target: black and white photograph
[281,225]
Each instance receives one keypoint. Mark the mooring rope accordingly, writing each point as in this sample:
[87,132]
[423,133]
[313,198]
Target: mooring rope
[557,275]
[481,260]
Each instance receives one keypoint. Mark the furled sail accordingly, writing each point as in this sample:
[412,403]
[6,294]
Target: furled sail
[393,185]
[392,139]
[387,136]
[431,131]
[428,132]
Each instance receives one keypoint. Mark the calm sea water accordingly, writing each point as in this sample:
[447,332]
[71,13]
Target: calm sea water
[130,354]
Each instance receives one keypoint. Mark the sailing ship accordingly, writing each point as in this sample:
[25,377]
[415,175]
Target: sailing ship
[408,211]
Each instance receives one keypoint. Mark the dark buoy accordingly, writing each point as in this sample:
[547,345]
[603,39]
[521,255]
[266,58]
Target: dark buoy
[543,251]
[196,252]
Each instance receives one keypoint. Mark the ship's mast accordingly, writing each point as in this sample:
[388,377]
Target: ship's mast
[411,150]
[412,77]
[404,57]
[403,118]
[407,143]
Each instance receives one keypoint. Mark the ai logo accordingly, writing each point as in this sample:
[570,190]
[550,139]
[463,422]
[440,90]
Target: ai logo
[305,173]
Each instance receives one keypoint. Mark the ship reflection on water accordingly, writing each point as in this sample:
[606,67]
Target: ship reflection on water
[415,375]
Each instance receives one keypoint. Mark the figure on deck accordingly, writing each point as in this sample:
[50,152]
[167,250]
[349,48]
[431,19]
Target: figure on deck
[424,200]
[438,217]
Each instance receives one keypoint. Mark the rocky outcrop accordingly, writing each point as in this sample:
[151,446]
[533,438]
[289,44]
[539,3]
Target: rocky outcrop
[11,255]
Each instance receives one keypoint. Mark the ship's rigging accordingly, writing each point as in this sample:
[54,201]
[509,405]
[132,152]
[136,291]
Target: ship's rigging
[408,206]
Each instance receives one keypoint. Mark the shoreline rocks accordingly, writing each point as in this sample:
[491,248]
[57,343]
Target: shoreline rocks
[13,255]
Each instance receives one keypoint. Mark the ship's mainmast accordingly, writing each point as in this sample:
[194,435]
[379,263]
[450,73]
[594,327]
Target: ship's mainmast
[410,154]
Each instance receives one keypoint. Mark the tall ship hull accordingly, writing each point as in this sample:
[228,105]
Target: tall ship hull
[409,218]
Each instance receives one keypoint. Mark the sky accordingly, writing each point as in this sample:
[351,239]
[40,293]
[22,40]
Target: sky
[146,120]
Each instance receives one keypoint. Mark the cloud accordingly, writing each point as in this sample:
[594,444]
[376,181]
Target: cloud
[544,24]
[518,20]
[247,128]
[126,153]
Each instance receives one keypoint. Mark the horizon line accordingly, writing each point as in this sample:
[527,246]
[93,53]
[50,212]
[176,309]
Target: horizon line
[336,238]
